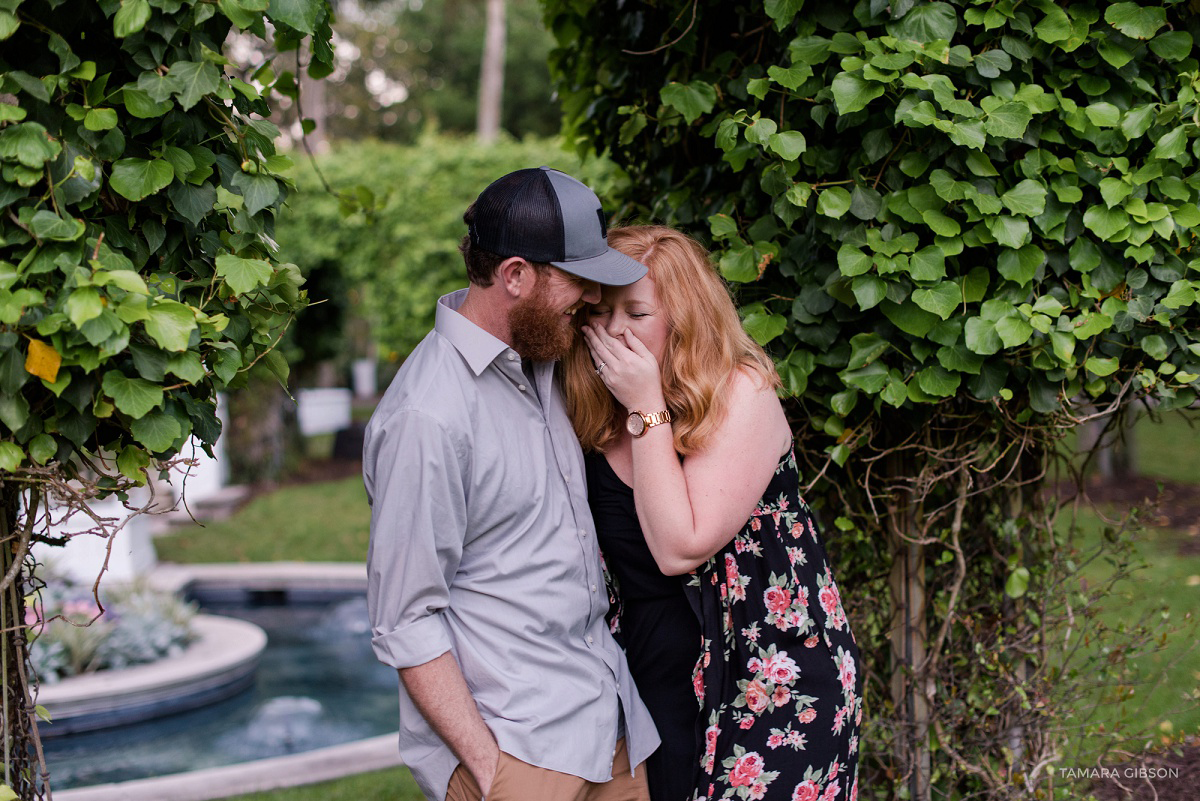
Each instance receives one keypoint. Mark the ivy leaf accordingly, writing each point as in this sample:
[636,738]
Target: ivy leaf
[1135,20]
[690,99]
[170,324]
[788,145]
[1008,121]
[1172,45]
[1010,231]
[11,457]
[131,461]
[981,337]
[1020,266]
[259,191]
[1054,27]
[302,15]
[764,326]
[1170,145]
[83,304]
[187,366]
[852,92]
[926,22]
[46,225]
[833,202]
[29,143]
[157,431]
[852,261]
[131,17]
[941,300]
[1017,583]
[1027,198]
[938,381]
[868,290]
[737,265]
[139,103]
[243,275]
[193,202]
[928,264]
[137,179]
[1106,223]
[133,396]
[194,80]
[865,349]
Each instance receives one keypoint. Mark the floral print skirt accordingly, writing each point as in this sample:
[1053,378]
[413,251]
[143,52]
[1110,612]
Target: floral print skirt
[778,678]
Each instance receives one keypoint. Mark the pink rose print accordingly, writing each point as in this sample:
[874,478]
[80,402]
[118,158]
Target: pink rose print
[777,600]
[746,722]
[831,791]
[755,524]
[796,530]
[774,741]
[781,696]
[710,739]
[847,673]
[854,790]
[808,715]
[746,770]
[807,790]
[811,642]
[756,696]
[781,668]
[698,684]
[839,719]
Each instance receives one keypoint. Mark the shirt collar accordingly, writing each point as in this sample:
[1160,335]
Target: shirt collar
[478,347]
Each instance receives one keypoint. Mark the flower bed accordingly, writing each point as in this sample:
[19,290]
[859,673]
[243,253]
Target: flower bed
[70,635]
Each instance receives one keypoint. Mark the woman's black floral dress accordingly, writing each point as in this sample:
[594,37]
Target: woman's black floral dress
[777,676]
[778,673]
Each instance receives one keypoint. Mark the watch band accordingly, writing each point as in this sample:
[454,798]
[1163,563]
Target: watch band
[639,423]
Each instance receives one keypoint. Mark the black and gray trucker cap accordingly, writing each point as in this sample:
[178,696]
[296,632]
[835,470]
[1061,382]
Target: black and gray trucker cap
[544,215]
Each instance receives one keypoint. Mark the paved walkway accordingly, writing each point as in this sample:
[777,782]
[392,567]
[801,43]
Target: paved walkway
[293,770]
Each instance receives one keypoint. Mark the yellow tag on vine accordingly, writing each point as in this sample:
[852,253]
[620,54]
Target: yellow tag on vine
[42,360]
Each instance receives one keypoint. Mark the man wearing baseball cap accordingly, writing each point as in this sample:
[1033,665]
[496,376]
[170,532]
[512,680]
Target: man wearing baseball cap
[485,586]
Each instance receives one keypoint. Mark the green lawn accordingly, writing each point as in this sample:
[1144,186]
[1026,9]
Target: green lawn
[1169,449]
[395,784]
[320,522]
[1162,594]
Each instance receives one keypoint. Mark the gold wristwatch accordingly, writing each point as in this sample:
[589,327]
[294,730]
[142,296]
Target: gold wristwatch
[638,423]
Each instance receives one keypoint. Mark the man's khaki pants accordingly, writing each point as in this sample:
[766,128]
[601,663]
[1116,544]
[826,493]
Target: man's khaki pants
[518,781]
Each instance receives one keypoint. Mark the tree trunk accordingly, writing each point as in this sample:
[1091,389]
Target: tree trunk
[491,74]
[312,105]
[909,636]
[20,761]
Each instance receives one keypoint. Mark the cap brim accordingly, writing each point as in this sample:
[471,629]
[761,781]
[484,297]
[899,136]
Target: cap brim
[611,268]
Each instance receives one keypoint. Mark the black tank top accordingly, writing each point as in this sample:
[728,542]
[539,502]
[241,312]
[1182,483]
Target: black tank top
[659,631]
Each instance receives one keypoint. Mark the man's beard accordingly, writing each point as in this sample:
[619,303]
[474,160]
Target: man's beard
[539,332]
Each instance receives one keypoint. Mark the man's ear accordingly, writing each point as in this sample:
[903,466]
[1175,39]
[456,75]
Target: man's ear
[517,276]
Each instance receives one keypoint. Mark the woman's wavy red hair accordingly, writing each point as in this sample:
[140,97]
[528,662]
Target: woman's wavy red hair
[706,345]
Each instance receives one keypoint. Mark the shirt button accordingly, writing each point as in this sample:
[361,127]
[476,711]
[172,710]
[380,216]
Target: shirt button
[590,639]
[593,588]
[512,357]
[521,387]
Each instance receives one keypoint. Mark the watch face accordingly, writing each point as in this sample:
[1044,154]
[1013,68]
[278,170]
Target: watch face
[636,424]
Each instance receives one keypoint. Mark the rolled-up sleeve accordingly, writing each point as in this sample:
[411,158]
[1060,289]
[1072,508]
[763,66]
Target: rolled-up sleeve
[418,524]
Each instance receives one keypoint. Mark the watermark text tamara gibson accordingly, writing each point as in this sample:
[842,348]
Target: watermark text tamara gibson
[1119,773]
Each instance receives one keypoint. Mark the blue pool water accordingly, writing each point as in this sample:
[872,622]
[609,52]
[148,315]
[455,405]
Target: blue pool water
[318,684]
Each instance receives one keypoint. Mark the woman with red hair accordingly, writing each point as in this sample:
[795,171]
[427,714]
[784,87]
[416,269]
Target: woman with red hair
[724,585]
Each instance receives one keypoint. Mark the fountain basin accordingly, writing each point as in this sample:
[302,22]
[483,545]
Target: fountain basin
[219,664]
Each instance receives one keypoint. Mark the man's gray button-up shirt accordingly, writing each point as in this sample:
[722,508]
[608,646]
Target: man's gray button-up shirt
[482,544]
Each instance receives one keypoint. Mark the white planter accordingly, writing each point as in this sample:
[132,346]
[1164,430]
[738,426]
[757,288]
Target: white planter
[81,559]
[362,373]
[323,411]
